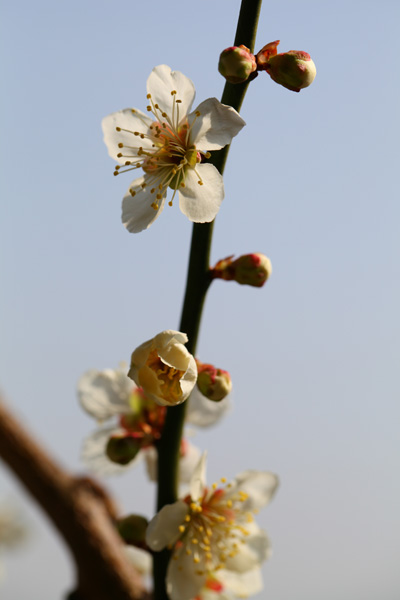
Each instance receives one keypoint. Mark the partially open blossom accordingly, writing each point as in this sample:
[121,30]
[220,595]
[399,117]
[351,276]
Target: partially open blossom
[236,64]
[295,70]
[249,269]
[215,384]
[164,368]
[170,148]
[212,529]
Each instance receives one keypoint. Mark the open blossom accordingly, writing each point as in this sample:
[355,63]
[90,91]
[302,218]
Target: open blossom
[164,368]
[220,585]
[169,147]
[212,529]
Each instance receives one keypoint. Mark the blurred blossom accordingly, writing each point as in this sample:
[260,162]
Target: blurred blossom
[124,412]
[212,529]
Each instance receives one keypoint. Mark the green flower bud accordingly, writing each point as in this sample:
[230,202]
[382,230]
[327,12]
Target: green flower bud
[132,529]
[122,449]
[236,64]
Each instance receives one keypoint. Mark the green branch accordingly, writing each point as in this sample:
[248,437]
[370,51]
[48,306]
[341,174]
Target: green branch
[196,289]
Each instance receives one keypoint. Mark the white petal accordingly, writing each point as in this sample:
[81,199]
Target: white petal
[260,486]
[162,81]
[163,529]
[132,122]
[189,379]
[163,339]
[183,583]
[141,353]
[251,554]
[137,212]
[94,456]
[175,355]
[198,480]
[216,125]
[187,463]
[104,394]
[202,412]
[242,584]
[200,203]
[140,559]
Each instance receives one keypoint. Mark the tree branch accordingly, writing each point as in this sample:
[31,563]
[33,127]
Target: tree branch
[81,511]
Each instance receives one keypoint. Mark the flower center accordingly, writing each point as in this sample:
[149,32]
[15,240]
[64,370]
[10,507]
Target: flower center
[214,528]
[168,377]
[170,154]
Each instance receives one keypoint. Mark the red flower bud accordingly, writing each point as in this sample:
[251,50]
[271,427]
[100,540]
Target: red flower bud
[249,269]
[215,384]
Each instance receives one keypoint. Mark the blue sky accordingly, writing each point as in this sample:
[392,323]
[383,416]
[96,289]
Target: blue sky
[311,181]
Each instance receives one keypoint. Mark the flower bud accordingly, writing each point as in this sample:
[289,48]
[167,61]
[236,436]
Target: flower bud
[249,269]
[215,384]
[122,449]
[236,64]
[132,529]
[294,70]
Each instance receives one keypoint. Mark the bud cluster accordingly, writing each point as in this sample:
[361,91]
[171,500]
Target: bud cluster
[294,70]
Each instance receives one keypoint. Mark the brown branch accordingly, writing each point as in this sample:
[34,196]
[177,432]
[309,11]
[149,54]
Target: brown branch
[80,510]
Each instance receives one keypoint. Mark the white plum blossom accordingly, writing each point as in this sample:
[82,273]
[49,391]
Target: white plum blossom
[170,146]
[164,368]
[212,529]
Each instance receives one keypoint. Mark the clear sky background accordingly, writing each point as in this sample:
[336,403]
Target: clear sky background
[312,181]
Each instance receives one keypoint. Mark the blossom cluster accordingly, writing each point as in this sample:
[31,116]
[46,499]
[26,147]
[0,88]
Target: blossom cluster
[216,547]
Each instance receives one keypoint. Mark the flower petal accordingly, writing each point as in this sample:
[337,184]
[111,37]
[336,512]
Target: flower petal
[162,81]
[163,529]
[137,212]
[198,480]
[140,559]
[126,120]
[216,125]
[189,379]
[260,487]
[104,394]
[165,338]
[187,463]
[201,203]
[242,584]
[183,582]
[251,554]
[202,412]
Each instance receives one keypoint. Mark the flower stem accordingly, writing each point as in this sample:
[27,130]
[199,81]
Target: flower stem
[197,284]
